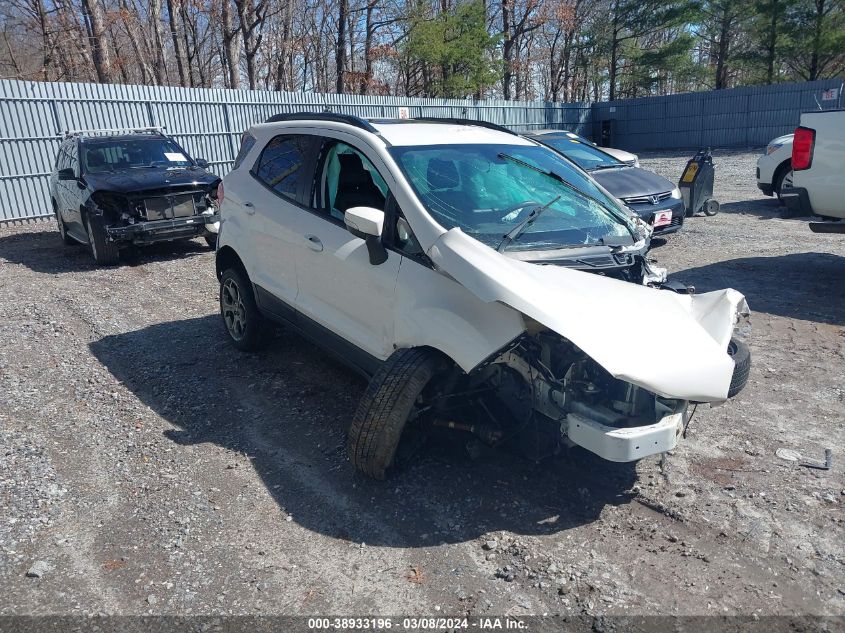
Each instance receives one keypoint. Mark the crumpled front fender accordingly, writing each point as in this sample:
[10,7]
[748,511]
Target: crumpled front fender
[671,344]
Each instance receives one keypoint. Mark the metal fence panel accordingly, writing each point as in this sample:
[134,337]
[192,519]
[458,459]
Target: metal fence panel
[741,117]
[207,122]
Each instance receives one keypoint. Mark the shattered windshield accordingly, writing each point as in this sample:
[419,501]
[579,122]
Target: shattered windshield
[113,154]
[490,191]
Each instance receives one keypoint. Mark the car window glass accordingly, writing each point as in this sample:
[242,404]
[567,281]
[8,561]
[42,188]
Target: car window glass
[349,180]
[247,142]
[128,153]
[281,163]
[487,190]
[583,155]
[404,238]
[73,163]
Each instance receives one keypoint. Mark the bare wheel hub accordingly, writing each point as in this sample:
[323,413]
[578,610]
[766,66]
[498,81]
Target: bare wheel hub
[234,311]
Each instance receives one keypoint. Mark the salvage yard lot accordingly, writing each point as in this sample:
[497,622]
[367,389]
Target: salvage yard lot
[147,466]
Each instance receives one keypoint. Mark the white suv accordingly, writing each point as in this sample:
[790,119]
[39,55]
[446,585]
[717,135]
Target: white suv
[774,167]
[440,259]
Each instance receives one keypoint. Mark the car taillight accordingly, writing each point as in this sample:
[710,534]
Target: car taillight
[802,148]
[220,193]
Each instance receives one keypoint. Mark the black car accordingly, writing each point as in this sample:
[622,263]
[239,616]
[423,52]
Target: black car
[654,198]
[110,190]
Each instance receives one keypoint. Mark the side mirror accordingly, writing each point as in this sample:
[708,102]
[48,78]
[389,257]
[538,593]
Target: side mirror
[201,162]
[367,223]
[364,221]
[67,174]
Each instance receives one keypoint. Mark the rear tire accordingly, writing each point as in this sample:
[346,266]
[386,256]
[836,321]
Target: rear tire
[384,410]
[742,366]
[246,327]
[211,240]
[104,251]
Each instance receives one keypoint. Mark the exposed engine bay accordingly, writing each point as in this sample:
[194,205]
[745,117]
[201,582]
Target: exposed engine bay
[543,393]
[159,214]
[157,204]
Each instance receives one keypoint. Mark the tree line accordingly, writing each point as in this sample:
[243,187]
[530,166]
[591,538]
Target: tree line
[558,50]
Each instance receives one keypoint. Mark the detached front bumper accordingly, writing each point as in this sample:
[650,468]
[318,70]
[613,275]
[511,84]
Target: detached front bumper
[648,212]
[164,230]
[625,444]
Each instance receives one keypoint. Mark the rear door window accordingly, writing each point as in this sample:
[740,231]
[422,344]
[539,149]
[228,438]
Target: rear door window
[281,165]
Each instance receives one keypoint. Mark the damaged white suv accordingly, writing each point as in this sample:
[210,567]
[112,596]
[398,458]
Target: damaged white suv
[453,264]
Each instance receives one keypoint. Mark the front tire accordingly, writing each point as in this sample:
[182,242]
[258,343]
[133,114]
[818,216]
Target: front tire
[387,406]
[246,327]
[104,251]
[783,181]
[67,240]
[742,366]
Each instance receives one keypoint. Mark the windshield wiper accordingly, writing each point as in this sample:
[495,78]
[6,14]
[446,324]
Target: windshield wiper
[519,229]
[614,166]
[568,185]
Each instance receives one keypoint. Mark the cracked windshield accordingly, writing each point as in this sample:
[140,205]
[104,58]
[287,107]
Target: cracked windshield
[526,193]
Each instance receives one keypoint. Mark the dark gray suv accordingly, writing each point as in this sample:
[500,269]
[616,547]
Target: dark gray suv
[111,189]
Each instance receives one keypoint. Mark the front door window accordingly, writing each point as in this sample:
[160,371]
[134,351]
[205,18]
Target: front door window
[350,180]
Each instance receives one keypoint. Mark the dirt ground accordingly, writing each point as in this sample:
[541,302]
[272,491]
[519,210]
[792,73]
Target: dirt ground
[148,467]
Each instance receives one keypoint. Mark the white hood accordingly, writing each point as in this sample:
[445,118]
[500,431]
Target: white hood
[672,344]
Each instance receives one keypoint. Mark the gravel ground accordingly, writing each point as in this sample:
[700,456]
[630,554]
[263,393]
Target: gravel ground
[148,467]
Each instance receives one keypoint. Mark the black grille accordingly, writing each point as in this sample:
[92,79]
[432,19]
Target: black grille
[175,205]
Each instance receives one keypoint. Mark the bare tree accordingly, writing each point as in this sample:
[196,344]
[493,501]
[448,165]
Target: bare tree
[173,20]
[95,25]
[340,45]
[558,49]
[231,33]
[518,20]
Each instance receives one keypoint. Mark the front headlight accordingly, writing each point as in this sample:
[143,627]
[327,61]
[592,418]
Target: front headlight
[676,193]
[773,148]
[109,200]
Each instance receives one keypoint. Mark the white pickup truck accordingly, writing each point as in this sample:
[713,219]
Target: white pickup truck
[818,165]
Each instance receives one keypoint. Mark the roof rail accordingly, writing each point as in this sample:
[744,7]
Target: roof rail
[349,119]
[492,126]
[107,132]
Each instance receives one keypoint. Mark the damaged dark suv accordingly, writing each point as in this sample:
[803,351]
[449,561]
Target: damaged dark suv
[111,189]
